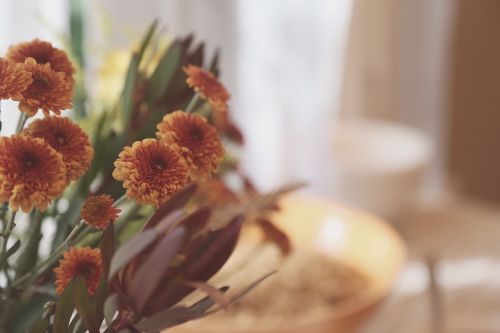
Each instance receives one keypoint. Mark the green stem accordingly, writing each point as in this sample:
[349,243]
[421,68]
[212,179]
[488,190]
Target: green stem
[120,200]
[22,120]
[192,103]
[38,269]
[6,234]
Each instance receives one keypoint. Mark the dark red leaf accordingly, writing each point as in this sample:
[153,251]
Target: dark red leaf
[151,272]
[131,249]
[178,200]
[276,235]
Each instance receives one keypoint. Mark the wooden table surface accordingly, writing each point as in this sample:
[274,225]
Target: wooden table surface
[462,235]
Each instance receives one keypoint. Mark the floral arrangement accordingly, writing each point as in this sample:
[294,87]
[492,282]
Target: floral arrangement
[142,210]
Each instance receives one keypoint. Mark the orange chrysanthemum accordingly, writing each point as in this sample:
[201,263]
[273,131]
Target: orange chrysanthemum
[199,142]
[208,87]
[49,91]
[43,53]
[31,172]
[14,79]
[99,211]
[79,262]
[68,139]
[151,171]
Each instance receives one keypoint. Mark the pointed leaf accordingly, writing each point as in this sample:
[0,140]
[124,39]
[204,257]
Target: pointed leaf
[242,293]
[221,245]
[196,221]
[131,249]
[196,58]
[207,255]
[147,38]
[41,325]
[176,315]
[211,291]
[169,221]
[178,200]
[14,248]
[276,235]
[127,97]
[200,307]
[64,309]
[110,308]
[83,306]
[214,65]
[164,72]
[107,247]
[151,272]
[29,256]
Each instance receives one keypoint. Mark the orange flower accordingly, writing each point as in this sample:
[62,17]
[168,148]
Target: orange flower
[208,87]
[43,53]
[79,262]
[68,139]
[49,91]
[151,171]
[14,79]
[31,172]
[98,211]
[199,143]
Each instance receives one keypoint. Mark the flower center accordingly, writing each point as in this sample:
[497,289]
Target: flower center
[84,270]
[196,134]
[41,82]
[29,161]
[158,164]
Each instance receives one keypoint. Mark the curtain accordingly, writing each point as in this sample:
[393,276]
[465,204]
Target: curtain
[398,68]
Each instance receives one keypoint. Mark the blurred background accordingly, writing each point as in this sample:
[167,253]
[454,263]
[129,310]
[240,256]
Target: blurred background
[390,106]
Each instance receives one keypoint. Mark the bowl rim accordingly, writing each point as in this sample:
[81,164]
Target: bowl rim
[343,312]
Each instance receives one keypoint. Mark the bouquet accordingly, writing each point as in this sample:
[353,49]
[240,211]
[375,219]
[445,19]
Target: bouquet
[139,200]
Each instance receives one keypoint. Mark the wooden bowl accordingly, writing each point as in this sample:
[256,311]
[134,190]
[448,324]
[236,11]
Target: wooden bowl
[360,240]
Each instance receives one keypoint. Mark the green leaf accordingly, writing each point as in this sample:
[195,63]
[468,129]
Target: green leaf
[83,306]
[99,299]
[41,326]
[110,308]
[64,309]
[131,249]
[147,38]
[14,248]
[29,256]
[100,149]
[127,97]
[163,74]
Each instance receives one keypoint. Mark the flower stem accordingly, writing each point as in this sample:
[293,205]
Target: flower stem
[192,103]
[22,120]
[7,230]
[120,200]
[35,272]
